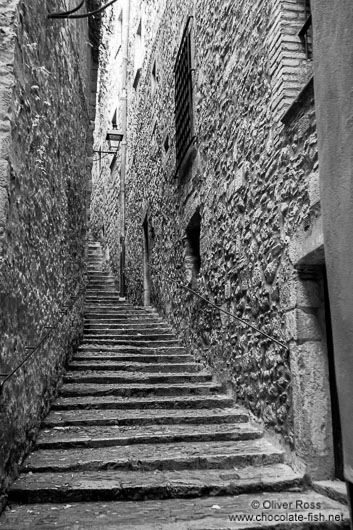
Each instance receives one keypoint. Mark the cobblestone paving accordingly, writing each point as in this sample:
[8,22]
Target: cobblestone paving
[142,438]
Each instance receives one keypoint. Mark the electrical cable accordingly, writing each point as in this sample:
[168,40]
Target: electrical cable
[84,15]
[65,13]
[102,157]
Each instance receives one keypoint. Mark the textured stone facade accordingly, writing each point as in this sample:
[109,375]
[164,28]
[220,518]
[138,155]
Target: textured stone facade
[45,160]
[253,180]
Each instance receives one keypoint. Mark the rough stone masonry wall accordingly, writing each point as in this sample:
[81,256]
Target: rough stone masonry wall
[250,181]
[45,142]
[253,180]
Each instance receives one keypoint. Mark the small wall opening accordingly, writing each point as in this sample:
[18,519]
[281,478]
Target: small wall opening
[192,248]
[154,77]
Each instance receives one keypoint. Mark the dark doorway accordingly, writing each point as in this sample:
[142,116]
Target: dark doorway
[192,250]
[146,265]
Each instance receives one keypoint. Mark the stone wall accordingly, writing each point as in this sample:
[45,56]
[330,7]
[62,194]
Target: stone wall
[252,178]
[45,160]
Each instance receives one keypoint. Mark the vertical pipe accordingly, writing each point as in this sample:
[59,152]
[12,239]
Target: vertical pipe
[124,96]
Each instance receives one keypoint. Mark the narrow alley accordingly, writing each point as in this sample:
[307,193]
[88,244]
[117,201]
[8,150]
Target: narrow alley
[176,312]
[139,422]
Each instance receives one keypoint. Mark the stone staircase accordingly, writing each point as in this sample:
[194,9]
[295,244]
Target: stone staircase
[142,437]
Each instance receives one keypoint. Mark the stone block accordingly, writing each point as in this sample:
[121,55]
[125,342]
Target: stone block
[312,408]
[4,173]
[314,188]
[302,326]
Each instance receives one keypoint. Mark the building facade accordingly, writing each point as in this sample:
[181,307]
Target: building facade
[215,189]
[47,107]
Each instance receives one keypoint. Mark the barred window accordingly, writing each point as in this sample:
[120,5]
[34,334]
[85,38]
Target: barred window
[183,72]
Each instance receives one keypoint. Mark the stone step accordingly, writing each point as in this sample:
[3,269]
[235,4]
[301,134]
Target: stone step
[139,390]
[120,304]
[105,436]
[130,341]
[90,326]
[126,320]
[152,331]
[285,485]
[114,312]
[117,316]
[175,406]
[135,367]
[100,282]
[137,350]
[113,335]
[141,358]
[184,455]
[155,330]
[103,298]
[100,278]
[105,290]
[121,377]
[108,294]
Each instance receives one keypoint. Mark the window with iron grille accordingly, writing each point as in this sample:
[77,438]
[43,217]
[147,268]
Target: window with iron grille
[306,33]
[183,72]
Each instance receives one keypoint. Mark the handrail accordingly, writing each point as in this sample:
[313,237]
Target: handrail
[44,338]
[245,322]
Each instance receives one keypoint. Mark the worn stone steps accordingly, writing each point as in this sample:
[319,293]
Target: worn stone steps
[156,402]
[110,299]
[100,365]
[104,436]
[92,325]
[121,377]
[139,358]
[160,415]
[140,390]
[100,278]
[184,455]
[136,419]
[133,350]
[120,319]
[126,340]
[119,305]
[126,334]
[100,282]
[145,334]
[95,312]
[163,484]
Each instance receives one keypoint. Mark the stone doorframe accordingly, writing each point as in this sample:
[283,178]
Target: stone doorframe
[306,335]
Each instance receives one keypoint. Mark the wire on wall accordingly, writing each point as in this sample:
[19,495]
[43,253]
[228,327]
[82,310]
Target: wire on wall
[66,13]
[69,14]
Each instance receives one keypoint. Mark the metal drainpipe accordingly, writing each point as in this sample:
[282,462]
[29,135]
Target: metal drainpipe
[124,97]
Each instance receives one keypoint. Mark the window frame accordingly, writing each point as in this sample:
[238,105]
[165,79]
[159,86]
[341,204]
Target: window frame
[184,93]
